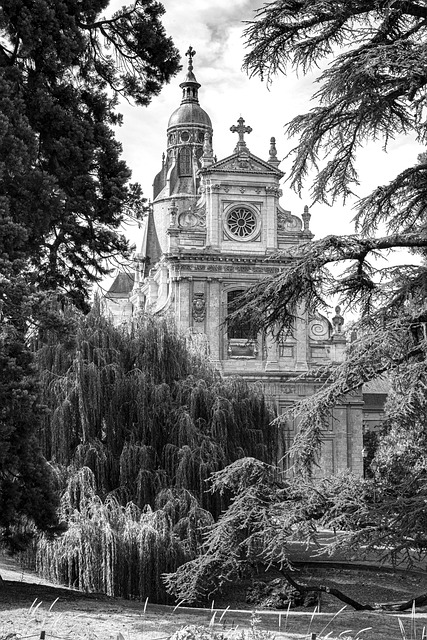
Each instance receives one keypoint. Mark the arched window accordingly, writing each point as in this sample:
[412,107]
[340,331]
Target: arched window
[184,165]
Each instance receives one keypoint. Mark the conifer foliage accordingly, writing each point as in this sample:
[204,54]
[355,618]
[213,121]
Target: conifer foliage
[372,87]
[141,422]
[268,511]
[25,477]
[63,187]
[64,190]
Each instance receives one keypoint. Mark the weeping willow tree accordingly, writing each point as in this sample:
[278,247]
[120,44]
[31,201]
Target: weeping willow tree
[110,548]
[148,420]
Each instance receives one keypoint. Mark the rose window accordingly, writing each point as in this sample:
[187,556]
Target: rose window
[241,222]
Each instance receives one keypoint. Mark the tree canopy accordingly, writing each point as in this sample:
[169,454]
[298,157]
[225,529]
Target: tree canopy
[372,56]
[138,420]
[64,189]
[372,88]
[270,516]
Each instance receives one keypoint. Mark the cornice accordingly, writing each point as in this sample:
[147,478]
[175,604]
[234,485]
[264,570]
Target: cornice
[186,264]
[245,163]
[212,256]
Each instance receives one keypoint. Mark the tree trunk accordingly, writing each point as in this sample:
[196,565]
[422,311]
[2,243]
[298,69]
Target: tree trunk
[335,592]
[419,601]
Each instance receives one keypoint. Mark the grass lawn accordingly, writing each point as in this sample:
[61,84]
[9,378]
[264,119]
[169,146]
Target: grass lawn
[65,613]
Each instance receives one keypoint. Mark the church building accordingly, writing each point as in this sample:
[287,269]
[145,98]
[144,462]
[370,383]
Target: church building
[215,229]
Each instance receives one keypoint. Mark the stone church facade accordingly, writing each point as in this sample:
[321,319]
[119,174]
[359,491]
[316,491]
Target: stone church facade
[214,230]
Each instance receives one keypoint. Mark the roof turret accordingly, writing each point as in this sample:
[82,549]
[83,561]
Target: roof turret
[189,112]
[190,86]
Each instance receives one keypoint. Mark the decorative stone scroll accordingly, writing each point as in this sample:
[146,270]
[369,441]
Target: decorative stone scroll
[319,329]
[287,222]
[192,218]
[273,190]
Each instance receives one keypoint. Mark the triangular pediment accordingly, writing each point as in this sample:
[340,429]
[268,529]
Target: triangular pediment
[244,163]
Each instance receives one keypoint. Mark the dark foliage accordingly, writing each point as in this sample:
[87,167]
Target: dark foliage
[372,88]
[144,412]
[138,422]
[64,190]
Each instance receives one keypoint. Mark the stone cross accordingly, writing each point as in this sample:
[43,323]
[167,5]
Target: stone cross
[190,53]
[241,130]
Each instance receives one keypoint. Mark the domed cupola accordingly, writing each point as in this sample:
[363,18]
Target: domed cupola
[185,138]
[187,125]
[190,112]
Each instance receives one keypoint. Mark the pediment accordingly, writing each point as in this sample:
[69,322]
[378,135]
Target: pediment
[245,163]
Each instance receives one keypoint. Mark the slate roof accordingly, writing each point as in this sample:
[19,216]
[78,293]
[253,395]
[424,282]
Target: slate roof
[122,285]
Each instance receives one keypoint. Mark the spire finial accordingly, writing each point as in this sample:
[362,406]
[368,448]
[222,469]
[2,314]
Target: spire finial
[338,320]
[190,53]
[190,85]
[241,130]
[273,153]
[306,218]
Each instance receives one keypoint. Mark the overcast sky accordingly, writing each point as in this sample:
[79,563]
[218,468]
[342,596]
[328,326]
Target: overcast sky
[214,29]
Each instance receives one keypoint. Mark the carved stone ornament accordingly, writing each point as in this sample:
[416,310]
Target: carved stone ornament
[319,329]
[234,268]
[201,202]
[192,218]
[199,307]
[172,212]
[286,388]
[338,320]
[273,190]
[288,222]
[236,164]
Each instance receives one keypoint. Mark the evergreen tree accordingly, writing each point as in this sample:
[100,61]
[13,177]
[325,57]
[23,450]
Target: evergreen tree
[25,477]
[373,87]
[64,189]
[267,512]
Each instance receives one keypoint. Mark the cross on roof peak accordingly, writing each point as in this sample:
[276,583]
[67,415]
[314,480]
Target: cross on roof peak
[190,53]
[241,129]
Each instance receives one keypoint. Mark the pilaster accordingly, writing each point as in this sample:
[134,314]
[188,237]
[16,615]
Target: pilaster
[301,363]
[272,346]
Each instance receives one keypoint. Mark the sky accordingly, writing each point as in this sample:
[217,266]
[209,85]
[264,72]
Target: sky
[214,28]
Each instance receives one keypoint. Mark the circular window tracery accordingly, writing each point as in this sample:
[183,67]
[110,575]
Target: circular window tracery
[241,222]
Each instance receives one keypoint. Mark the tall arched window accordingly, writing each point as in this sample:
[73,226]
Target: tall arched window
[184,165]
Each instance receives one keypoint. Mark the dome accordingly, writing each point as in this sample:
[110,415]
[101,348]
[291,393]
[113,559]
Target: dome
[189,113]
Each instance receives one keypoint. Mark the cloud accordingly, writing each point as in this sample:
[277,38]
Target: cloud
[214,29]
[215,24]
